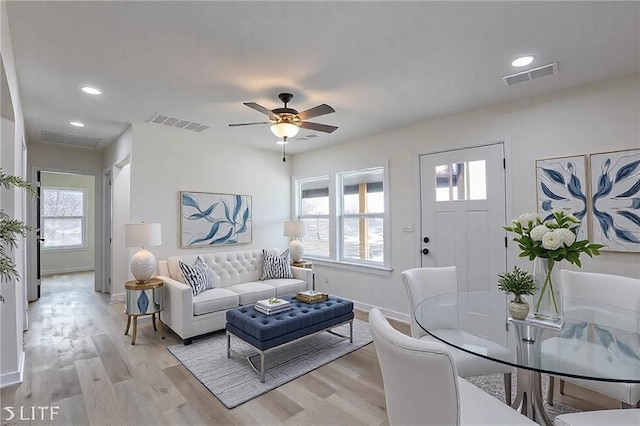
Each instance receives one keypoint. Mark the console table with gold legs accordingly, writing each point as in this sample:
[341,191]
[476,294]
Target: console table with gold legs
[143,299]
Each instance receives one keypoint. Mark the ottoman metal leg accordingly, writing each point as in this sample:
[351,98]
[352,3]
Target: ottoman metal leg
[261,366]
[228,345]
[351,331]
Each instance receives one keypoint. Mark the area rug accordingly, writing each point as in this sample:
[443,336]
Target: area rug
[494,384]
[233,381]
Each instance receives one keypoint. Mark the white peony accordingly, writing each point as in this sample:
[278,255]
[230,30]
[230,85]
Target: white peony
[525,218]
[552,240]
[567,236]
[538,232]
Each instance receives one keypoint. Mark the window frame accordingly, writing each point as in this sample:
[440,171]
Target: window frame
[336,221]
[302,217]
[83,219]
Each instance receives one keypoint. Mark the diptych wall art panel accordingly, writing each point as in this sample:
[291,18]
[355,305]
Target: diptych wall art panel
[615,188]
[562,185]
[208,219]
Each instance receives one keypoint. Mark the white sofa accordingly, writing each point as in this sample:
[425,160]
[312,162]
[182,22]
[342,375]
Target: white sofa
[236,280]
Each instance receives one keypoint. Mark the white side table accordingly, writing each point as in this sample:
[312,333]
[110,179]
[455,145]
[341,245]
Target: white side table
[143,299]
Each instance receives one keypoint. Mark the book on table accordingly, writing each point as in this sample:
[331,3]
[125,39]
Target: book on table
[311,296]
[272,306]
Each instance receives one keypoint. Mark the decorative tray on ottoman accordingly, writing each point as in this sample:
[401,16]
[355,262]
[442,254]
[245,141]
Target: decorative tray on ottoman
[311,296]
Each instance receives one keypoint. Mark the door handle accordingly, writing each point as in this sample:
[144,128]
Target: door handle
[425,251]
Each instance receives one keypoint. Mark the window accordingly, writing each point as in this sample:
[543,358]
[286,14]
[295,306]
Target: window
[314,211]
[362,215]
[346,217]
[461,181]
[63,217]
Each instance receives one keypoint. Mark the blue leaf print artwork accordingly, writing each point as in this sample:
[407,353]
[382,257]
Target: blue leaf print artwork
[616,206]
[214,219]
[560,186]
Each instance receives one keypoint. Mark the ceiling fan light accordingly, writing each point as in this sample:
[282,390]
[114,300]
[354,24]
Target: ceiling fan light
[285,130]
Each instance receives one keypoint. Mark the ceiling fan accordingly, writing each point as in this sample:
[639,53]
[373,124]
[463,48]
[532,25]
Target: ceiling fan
[286,122]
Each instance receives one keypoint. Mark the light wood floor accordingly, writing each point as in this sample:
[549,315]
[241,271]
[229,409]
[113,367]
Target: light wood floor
[78,358]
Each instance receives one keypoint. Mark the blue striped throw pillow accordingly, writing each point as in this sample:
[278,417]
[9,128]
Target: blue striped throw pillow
[197,276]
[276,266]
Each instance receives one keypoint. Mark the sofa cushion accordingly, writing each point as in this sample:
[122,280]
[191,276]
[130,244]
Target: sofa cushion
[216,299]
[251,292]
[197,276]
[276,266]
[288,285]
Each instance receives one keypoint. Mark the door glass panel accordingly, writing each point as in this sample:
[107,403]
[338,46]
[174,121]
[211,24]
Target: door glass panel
[443,179]
[477,180]
[461,181]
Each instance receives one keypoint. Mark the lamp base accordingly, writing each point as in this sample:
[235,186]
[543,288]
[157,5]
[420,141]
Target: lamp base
[143,265]
[296,250]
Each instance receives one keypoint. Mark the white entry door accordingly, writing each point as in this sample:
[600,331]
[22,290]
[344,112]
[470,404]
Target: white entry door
[463,212]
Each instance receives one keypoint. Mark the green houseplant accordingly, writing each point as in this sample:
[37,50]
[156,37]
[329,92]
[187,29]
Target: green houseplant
[547,243]
[519,283]
[11,229]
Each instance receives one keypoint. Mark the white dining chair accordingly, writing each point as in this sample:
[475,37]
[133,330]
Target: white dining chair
[616,291]
[600,418]
[422,387]
[424,283]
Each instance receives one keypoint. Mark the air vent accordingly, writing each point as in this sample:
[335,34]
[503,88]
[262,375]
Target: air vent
[165,120]
[532,74]
[68,139]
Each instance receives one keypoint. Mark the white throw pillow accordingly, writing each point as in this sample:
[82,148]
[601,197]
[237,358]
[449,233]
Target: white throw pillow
[198,275]
[276,266]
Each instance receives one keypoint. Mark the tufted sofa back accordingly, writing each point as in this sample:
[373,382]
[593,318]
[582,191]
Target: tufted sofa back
[227,268]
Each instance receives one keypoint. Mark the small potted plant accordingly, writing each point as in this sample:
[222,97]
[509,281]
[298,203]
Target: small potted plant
[519,283]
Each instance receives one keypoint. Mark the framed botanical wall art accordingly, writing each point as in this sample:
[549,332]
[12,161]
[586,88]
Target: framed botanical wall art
[209,219]
[561,184]
[615,187]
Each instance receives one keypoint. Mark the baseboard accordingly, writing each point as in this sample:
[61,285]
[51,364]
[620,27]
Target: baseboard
[119,297]
[398,316]
[14,377]
[67,270]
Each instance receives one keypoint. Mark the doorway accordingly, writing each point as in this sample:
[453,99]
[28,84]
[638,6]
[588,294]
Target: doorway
[67,218]
[463,210]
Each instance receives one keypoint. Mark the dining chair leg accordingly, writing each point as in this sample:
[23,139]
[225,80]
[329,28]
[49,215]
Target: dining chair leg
[550,391]
[561,386]
[627,406]
[507,388]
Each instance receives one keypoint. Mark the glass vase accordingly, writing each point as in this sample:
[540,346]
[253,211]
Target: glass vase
[547,298]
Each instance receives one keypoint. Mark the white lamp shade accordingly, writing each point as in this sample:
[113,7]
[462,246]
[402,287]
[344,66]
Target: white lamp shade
[294,229]
[285,130]
[142,235]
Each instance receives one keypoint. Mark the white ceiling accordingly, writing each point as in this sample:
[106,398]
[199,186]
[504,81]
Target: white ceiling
[381,65]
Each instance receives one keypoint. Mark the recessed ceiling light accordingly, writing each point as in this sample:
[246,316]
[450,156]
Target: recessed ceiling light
[523,61]
[77,123]
[91,90]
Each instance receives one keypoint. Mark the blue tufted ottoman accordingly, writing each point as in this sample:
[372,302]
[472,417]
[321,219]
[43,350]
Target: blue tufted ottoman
[265,332]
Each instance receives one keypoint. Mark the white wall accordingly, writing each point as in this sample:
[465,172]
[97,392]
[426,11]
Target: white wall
[12,312]
[54,157]
[588,119]
[165,161]
[77,259]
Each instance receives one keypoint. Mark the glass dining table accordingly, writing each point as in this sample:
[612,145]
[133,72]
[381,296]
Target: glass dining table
[594,341]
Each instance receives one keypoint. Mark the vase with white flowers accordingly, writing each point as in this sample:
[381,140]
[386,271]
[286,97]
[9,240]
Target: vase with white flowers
[547,243]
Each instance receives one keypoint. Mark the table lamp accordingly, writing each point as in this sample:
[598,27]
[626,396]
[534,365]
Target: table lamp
[295,230]
[143,263]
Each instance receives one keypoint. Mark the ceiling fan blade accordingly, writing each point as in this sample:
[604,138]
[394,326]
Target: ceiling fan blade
[316,112]
[248,124]
[260,108]
[318,127]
